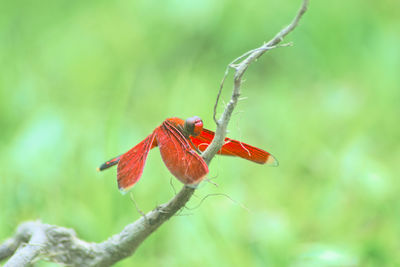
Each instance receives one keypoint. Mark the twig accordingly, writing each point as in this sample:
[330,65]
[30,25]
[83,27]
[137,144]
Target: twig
[58,244]
[219,194]
[34,242]
[250,57]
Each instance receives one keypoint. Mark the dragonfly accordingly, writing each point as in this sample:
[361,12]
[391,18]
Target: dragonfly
[180,143]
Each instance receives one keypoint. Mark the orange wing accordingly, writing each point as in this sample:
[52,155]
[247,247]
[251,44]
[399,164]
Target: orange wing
[235,148]
[179,157]
[131,164]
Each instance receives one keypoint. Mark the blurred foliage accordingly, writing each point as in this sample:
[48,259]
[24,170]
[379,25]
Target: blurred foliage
[81,82]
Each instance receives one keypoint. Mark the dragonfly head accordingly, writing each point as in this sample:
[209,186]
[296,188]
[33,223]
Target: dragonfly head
[193,126]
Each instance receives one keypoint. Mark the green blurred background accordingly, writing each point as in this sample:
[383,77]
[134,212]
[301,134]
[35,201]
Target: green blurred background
[83,81]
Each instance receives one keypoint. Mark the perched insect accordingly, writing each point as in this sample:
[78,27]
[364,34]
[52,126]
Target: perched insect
[179,141]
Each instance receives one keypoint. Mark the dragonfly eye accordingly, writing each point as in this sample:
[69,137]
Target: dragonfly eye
[193,126]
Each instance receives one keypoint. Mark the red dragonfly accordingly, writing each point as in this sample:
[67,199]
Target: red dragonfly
[180,142]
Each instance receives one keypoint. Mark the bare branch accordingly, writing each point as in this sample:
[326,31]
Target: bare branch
[9,247]
[240,68]
[58,244]
[35,240]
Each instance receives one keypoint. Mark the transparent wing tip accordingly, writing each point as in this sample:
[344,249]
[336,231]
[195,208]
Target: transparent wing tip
[272,161]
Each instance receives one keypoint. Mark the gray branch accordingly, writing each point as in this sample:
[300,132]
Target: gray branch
[240,68]
[35,240]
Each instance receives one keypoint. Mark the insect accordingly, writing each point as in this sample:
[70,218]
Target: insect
[180,143]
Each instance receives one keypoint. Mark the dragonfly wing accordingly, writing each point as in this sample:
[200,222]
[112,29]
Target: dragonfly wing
[235,148]
[179,157]
[131,164]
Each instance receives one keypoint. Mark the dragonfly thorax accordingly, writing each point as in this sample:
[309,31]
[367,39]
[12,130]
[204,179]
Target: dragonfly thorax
[193,126]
